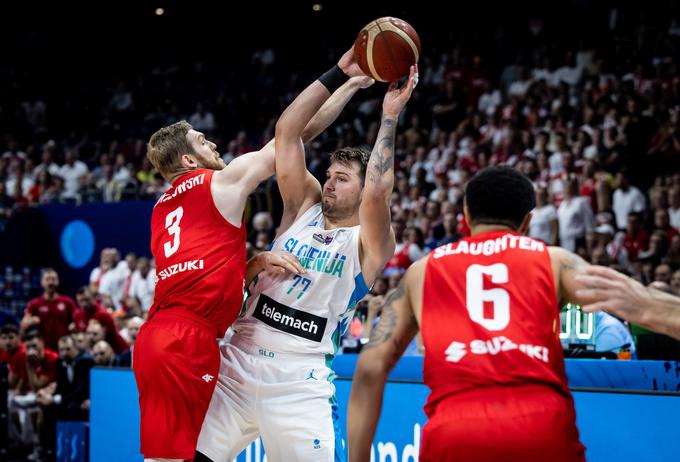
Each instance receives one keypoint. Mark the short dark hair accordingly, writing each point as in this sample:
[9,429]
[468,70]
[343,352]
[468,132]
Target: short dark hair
[10,329]
[66,338]
[84,290]
[32,333]
[346,156]
[499,196]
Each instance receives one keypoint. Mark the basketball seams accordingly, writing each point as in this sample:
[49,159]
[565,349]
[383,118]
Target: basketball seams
[404,35]
[371,35]
[384,59]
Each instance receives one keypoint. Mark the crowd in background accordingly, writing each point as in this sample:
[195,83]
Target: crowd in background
[595,126]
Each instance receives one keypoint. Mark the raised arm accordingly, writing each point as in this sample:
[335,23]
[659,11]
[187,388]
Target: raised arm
[395,330]
[299,189]
[239,179]
[377,238]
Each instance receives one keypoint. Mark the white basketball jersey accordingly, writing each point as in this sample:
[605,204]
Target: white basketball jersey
[306,313]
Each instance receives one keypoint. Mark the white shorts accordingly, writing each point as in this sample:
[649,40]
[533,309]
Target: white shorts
[287,399]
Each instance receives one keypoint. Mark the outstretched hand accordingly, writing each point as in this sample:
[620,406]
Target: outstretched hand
[397,97]
[604,289]
[349,65]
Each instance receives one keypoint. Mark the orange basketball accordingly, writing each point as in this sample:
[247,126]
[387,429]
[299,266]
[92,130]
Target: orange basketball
[386,48]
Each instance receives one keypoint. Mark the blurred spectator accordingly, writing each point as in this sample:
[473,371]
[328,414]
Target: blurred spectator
[202,120]
[73,172]
[627,199]
[674,207]
[112,282]
[95,332]
[663,273]
[51,313]
[675,282]
[81,342]
[131,330]
[11,347]
[543,225]
[637,239]
[69,399]
[142,284]
[91,310]
[575,216]
[105,264]
[410,248]
[39,367]
[103,354]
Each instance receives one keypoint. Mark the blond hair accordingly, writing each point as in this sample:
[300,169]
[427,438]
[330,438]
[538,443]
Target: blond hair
[166,147]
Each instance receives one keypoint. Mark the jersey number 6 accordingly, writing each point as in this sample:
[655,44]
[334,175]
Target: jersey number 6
[172,225]
[476,295]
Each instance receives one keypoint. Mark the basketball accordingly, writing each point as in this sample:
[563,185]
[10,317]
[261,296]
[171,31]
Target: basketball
[386,48]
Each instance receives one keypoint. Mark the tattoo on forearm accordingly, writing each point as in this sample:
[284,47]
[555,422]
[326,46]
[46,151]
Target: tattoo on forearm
[388,318]
[572,262]
[382,157]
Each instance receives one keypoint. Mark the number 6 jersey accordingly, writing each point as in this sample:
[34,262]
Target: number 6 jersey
[200,256]
[307,313]
[490,316]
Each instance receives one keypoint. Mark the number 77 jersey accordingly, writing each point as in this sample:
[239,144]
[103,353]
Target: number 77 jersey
[200,256]
[490,316]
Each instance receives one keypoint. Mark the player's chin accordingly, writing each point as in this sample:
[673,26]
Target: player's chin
[326,205]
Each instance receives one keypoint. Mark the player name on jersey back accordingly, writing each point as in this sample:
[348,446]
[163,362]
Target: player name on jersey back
[185,185]
[490,247]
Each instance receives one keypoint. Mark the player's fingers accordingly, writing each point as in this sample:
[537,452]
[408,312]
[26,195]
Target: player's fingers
[393,86]
[591,295]
[603,272]
[593,307]
[283,266]
[294,262]
[586,280]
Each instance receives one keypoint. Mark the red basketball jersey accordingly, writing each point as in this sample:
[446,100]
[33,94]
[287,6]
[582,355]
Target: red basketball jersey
[490,316]
[200,256]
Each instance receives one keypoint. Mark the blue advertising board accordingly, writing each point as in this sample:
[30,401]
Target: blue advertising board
[621,425]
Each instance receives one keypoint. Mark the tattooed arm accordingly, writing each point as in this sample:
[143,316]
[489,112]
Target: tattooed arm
[396,328]
[566,266]
[377,238]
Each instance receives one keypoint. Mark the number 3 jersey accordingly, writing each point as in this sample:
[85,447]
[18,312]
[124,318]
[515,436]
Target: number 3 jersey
[490,316]
[200,256]
[306,313]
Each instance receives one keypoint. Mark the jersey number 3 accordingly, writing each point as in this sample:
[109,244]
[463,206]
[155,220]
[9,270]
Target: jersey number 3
[172,225]
[476,295]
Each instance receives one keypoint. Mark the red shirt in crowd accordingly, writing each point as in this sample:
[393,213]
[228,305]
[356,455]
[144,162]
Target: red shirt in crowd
[635,245]
[99,313]
[55,316]
[12,358]
[47,367]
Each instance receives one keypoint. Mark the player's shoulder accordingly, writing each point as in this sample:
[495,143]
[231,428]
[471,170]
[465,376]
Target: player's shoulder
[416,271]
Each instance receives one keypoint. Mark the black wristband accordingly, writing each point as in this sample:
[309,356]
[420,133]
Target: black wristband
[333,78]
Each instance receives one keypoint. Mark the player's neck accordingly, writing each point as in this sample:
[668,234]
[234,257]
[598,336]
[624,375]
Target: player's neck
[179,173]
[50,295]
[479,229]
[347,222]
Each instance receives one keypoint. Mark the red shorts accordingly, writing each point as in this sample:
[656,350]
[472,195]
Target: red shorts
[176,360]
[528,423]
